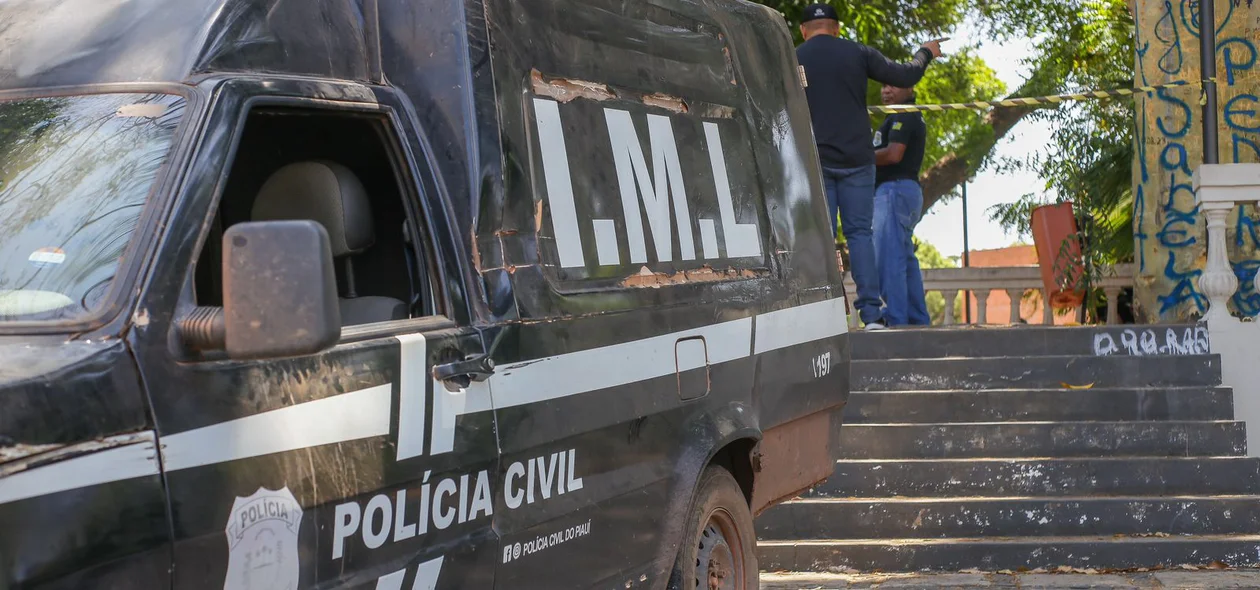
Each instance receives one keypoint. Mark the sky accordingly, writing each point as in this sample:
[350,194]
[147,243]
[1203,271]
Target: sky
[942,226]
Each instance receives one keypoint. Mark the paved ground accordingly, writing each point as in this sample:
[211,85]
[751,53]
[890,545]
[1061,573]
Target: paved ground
[1188,580]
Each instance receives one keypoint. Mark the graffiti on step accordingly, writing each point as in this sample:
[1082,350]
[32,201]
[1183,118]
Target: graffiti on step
[1152,342]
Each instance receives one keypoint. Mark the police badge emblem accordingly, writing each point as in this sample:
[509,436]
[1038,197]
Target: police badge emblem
[262,536]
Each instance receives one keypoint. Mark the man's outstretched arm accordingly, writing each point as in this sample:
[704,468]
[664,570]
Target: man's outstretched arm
[884,70]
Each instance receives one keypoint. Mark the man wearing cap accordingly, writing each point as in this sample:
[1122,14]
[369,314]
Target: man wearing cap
[835,75]
[899,147]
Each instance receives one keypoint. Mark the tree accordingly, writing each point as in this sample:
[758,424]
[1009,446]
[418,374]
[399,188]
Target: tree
[1078,43]
[929,257]
[1090,160]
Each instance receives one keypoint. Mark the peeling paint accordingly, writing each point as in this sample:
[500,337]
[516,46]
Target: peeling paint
[476,252]
[565,90]
[665,101]
[648,279]
[36,455]
[18,451]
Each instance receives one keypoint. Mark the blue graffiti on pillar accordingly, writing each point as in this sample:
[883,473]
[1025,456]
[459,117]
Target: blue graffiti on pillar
[1174,187]
[1171,61]
[1186,288]
[1245,230]
[1174,157]
[1143,47]
[1172,236]
[1139,199]
[1240,142]
[1190,17]
[1139,204]
[1169,98]
[1233,48]
[1141,147]
[1235,113]
[1240,55]
[1246,300]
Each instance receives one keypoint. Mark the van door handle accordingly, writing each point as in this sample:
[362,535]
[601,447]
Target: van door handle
[461,374]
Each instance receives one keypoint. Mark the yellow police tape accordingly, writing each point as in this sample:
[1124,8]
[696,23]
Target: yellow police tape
[1035,101]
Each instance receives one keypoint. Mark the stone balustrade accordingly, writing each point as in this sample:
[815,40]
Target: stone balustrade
[1014,280]
[1219,188]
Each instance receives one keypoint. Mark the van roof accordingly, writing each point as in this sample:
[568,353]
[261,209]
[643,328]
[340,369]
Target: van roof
[80,42]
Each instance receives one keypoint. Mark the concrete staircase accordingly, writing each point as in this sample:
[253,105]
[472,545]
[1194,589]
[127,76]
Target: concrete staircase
[1021,448]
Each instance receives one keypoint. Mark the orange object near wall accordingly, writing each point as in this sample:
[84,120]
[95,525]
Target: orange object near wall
[1059,254]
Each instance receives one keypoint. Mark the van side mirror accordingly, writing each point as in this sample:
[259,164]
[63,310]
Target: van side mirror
[279,294]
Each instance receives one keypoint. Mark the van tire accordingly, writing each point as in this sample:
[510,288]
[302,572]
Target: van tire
[718,537]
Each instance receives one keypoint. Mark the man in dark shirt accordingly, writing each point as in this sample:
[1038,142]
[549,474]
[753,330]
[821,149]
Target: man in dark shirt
[835,75]
[899,146]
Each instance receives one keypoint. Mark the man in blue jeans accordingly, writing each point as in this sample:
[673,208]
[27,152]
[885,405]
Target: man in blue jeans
[899,146]
[835,75]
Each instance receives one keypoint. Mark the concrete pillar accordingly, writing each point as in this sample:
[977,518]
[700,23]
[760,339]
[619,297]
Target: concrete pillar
[982,306]
[950,296]
[1113,306]
[1017,296]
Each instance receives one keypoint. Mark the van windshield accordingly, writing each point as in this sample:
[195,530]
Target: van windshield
[75,173]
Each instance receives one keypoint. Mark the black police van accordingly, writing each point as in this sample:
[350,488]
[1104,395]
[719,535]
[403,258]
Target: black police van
[406,294]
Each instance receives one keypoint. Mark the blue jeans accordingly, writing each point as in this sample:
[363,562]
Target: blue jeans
[898,207]
[852,191]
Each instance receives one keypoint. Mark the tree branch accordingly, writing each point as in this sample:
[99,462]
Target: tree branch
[955,168]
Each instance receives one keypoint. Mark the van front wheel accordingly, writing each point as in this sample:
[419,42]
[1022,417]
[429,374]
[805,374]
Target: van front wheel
[719,545]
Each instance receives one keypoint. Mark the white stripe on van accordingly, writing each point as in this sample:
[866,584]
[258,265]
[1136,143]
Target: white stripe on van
[412,378]
[610,366]
[572,373]
[367,412]
[800,324]
[563,375]
[350,416]
[94,468]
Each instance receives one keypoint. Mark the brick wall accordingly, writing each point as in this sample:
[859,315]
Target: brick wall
[999,311]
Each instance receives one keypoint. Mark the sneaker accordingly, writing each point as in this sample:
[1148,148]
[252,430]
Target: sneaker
[876,326]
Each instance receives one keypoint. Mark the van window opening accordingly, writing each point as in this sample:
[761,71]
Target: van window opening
[75,174]
[336,168]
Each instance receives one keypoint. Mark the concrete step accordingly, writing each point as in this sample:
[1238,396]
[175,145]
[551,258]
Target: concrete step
[926,518]
[1023,341]
[1043,439]
[1181,579]
[993,554]
[1047,372]
[1122,476]
[1034,405]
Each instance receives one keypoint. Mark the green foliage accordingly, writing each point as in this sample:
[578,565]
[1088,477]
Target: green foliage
[929,257]
[884,23]
[1079,44]
[897,29]
[961,78]
[1090,159]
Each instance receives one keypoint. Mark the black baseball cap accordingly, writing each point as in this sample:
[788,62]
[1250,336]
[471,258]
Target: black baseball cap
[818,11]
